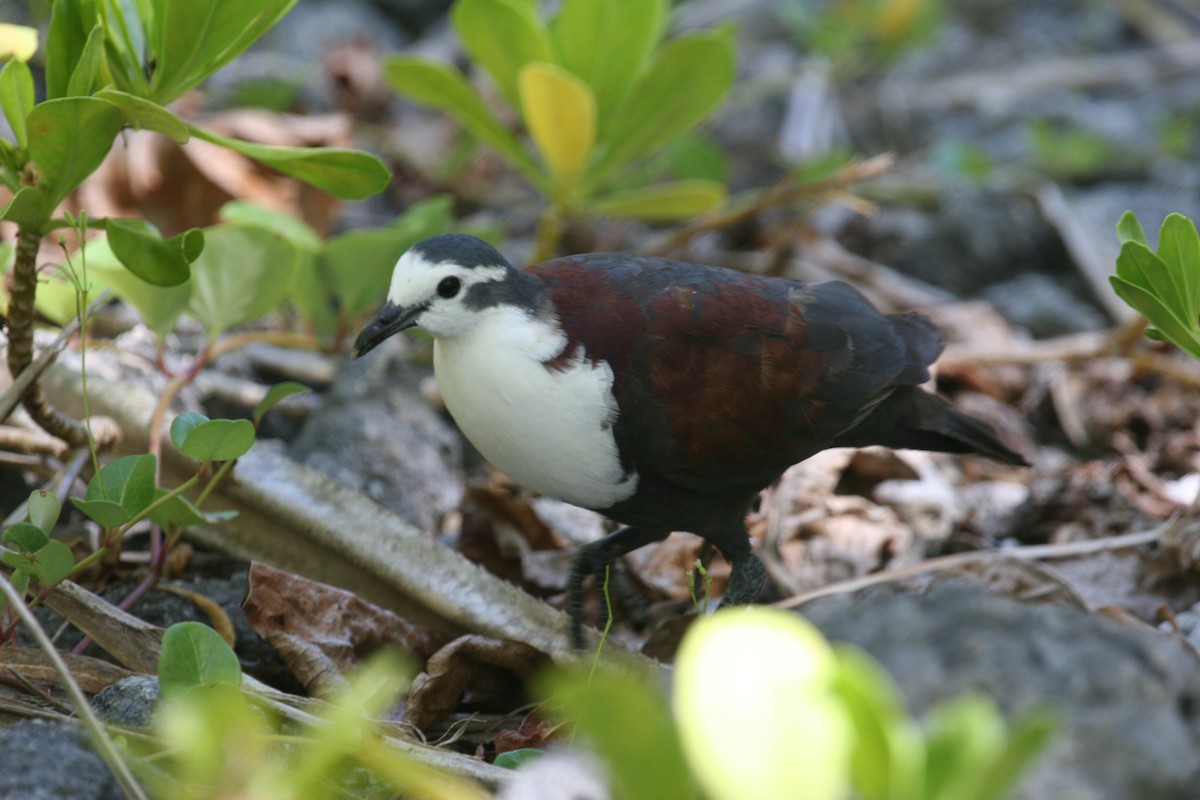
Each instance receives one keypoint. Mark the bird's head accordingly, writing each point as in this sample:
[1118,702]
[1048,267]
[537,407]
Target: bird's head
[443,284]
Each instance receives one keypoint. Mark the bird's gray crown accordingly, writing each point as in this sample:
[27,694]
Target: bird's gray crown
[461,249]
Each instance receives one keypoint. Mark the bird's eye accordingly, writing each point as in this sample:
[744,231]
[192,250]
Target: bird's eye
[449,287]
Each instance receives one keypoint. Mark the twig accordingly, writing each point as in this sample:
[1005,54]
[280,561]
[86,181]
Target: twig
[1030,553]
[786,191]
[37,691]
[104,745]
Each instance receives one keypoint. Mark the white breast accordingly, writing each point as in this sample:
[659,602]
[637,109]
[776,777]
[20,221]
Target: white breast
[550,431]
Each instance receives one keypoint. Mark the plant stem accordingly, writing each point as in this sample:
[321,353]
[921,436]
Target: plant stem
[548,236]
[22,293]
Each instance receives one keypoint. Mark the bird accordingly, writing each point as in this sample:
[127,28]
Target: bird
[662,394]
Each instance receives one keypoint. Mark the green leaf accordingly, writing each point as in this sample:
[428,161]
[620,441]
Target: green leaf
[779,730]
[295,230]
[128,480]
[1141,267]
[158,261]
[687,79]
[352,272]
[359,264]
[1028,738]
[16,97]
[1130,230]
[665,202]
[967,735]
[502,36]
[1179,247]
[71,23]
[125,44]
[696,157]
[628,724]
[105,513]
[214,439]
[44,509]
[183,425]
[560,112]
[68,139]
[19,581]
[608,44]
[179,512]
[243,273]
[276,393]
[194,655]
[28,207]
[52,563]
[158,306]
[440,86]
[345,174]
[26,537]
[512,759]
[87,70]
[146,115]
[887,757]
[18,561]
[120,491]
[1159,315]
[192,39]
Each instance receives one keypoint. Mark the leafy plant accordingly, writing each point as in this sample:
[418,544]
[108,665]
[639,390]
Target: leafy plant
[594,87]
[29,550]
[217,741]
[763,707]
[1163,284]
[111,64]
[125,491]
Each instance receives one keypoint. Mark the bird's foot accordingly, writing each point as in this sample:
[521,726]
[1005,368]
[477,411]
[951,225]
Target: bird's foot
[593,559]
[747,579]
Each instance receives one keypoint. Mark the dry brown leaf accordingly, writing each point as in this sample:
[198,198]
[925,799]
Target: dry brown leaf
[500,530]
[486,671]
[321,631]
[534,731]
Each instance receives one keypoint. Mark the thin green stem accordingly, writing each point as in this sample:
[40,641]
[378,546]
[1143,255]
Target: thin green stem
[104,745]
[213,481]
[150,509]
[608,623]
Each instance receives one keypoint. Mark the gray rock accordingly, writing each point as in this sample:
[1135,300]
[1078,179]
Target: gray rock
[1043,306]
[1129,697]
[973,238]
[51,761]
[129,702]
[376,434]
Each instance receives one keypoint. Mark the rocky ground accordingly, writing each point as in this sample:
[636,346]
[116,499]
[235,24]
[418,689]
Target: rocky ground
[1019,132]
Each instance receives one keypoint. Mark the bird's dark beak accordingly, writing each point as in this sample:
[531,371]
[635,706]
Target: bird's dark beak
[390,319]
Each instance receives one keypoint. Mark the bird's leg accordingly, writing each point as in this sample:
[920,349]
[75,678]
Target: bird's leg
[747,579]
[591,559]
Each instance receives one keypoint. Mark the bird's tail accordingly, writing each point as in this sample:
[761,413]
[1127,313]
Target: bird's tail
[915,419]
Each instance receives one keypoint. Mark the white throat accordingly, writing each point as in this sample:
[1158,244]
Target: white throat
[550,431]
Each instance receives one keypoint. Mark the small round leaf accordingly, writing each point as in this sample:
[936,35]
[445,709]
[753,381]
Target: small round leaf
[194,655]
[219,440]
[26,537]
